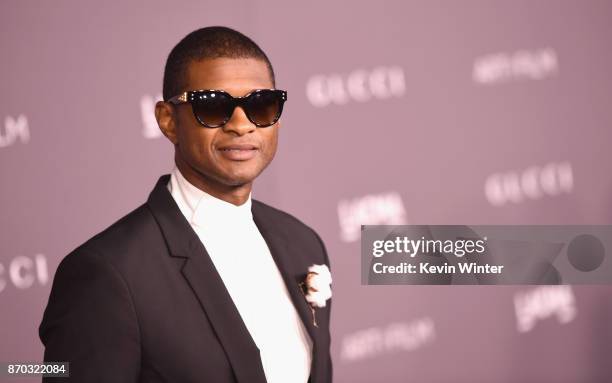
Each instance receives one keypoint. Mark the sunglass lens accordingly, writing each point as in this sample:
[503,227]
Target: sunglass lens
[213,109]
[264,107]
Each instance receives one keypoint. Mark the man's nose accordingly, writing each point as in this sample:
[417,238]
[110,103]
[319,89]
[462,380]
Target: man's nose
[239,123]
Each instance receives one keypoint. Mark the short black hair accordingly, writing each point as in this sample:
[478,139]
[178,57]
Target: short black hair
[207,43]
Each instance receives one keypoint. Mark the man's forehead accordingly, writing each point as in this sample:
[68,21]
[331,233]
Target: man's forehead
[237,76]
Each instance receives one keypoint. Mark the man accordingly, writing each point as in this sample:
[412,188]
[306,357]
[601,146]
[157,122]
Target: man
[201,283]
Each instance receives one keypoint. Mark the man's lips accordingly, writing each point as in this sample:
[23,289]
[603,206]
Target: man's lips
[238,152]
[238,147]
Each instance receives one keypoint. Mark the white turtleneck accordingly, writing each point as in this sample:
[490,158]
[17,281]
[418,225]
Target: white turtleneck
[243,260]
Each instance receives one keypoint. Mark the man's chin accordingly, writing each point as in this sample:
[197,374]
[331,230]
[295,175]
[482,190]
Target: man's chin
[238,179]
[238,182]
[241,176]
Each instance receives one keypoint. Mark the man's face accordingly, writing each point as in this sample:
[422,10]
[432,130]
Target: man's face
[201,148]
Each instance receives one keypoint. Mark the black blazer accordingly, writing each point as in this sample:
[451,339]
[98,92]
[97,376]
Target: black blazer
[142,301]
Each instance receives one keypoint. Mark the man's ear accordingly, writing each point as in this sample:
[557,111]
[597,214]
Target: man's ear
[164,113]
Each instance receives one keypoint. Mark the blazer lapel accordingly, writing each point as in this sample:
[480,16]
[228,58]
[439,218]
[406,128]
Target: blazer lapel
[200,273]
[278,243]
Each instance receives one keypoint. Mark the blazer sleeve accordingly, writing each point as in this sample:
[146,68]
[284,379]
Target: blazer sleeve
[329,304]
[90,322]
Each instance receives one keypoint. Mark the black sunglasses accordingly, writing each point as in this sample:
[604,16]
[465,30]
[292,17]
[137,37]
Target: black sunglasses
[214,108]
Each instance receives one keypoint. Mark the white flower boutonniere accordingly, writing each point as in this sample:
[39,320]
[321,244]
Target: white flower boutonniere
[317,288]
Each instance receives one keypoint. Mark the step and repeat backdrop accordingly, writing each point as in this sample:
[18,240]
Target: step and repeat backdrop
[399,112]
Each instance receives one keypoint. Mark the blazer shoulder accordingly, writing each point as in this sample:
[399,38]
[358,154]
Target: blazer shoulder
[280,217]
[129,233]
[290,224]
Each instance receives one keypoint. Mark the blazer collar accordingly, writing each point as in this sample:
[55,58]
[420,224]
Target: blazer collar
[206,283]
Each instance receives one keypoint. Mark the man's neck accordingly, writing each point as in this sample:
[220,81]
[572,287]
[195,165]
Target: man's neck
[236,195]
